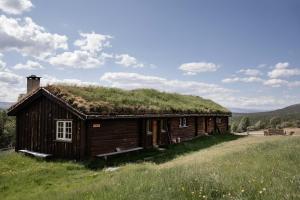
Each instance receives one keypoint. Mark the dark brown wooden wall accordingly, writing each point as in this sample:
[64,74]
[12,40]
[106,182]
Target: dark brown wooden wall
[223,124]
[201,126]
[112,134]
[185,133]
[36,129]
[210,122]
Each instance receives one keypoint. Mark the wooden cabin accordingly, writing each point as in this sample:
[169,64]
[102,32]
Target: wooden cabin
[83,122]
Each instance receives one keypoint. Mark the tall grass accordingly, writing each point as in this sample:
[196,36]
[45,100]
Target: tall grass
[247,168]
[105,100]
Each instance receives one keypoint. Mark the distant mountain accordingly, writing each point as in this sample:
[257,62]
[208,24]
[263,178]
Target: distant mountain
[5,105]
[245,110]
[286,114]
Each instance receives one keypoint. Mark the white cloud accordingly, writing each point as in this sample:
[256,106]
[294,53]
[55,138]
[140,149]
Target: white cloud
[224,96]
[245,79]
[15,7]
[283,70]
[128,61]
[7,76]
[198,67]
[250,72]
[134,80]
[257,102]
[93,42]
[79,59]
[275,82]
[48,79]
[28,38]
[2,63]
[281,83]
[29,65]
[11,85]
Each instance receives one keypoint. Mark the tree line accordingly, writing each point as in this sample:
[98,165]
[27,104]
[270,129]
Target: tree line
[7,130]
[245,124]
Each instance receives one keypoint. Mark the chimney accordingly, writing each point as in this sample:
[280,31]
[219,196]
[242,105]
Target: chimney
[33,82]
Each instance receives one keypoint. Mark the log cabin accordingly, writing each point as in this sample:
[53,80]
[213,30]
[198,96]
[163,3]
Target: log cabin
[69,121]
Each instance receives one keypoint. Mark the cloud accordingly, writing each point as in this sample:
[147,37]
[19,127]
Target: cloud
[134,80]
[88,55]
[275,82]
[224,96]
[7,76]
[28,38]
[15,7]
[128,61]
[257,102]
[48,79]
[283,70]
[2,63]
[29,65]
[281,83]
[198,67]
[93,42]
[11,85]
[79,59]
[245,79]
[250,72]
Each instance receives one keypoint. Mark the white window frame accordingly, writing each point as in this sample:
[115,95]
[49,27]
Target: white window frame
[183,122]
[64,133]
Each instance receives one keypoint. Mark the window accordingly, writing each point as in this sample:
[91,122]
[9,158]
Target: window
[64,130]
[182,122]
[163,125]
[149,127]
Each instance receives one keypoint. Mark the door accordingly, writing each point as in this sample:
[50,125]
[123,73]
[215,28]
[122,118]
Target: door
[154,133]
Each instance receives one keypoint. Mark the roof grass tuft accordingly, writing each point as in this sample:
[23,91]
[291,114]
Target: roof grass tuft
[114,101]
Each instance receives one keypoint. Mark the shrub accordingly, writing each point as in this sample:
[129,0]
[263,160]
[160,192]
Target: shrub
[244,123]
[274,121]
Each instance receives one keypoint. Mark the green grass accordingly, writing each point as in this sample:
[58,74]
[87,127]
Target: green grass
[104,100]
[223,167]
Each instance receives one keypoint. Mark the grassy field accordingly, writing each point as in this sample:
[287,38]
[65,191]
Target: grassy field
[223,167]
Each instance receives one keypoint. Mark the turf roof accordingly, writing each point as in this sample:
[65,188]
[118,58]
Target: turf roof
[114,101]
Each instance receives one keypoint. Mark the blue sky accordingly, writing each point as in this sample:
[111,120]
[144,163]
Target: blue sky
[241,54]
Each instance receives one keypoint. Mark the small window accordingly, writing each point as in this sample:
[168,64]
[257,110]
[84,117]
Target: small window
[163,125]
[182,122]
[64,130]
[149,127]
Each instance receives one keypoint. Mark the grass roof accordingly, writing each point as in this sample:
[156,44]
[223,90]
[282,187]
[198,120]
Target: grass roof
[112,101]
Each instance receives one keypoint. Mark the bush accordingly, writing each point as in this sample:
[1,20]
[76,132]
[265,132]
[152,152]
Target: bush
[274,121]
[7,130]
[244,123]
[234,127]
[259,125]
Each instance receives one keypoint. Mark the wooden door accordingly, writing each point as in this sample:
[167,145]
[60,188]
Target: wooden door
[154,133]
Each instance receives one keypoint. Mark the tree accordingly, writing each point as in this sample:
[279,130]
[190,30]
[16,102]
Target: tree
[244,123]
[259,125]
[234,127]
[274,121]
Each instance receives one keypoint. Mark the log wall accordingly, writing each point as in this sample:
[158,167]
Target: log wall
[112,134]
[36,129]
[184,133]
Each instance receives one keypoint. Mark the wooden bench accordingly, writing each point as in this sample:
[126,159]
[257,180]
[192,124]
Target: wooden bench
[35,154]
[105,155]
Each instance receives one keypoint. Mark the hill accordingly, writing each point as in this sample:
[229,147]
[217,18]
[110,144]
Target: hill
[223,167]
[287,114]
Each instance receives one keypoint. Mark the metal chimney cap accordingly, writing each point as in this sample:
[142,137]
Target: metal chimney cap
[34,77]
